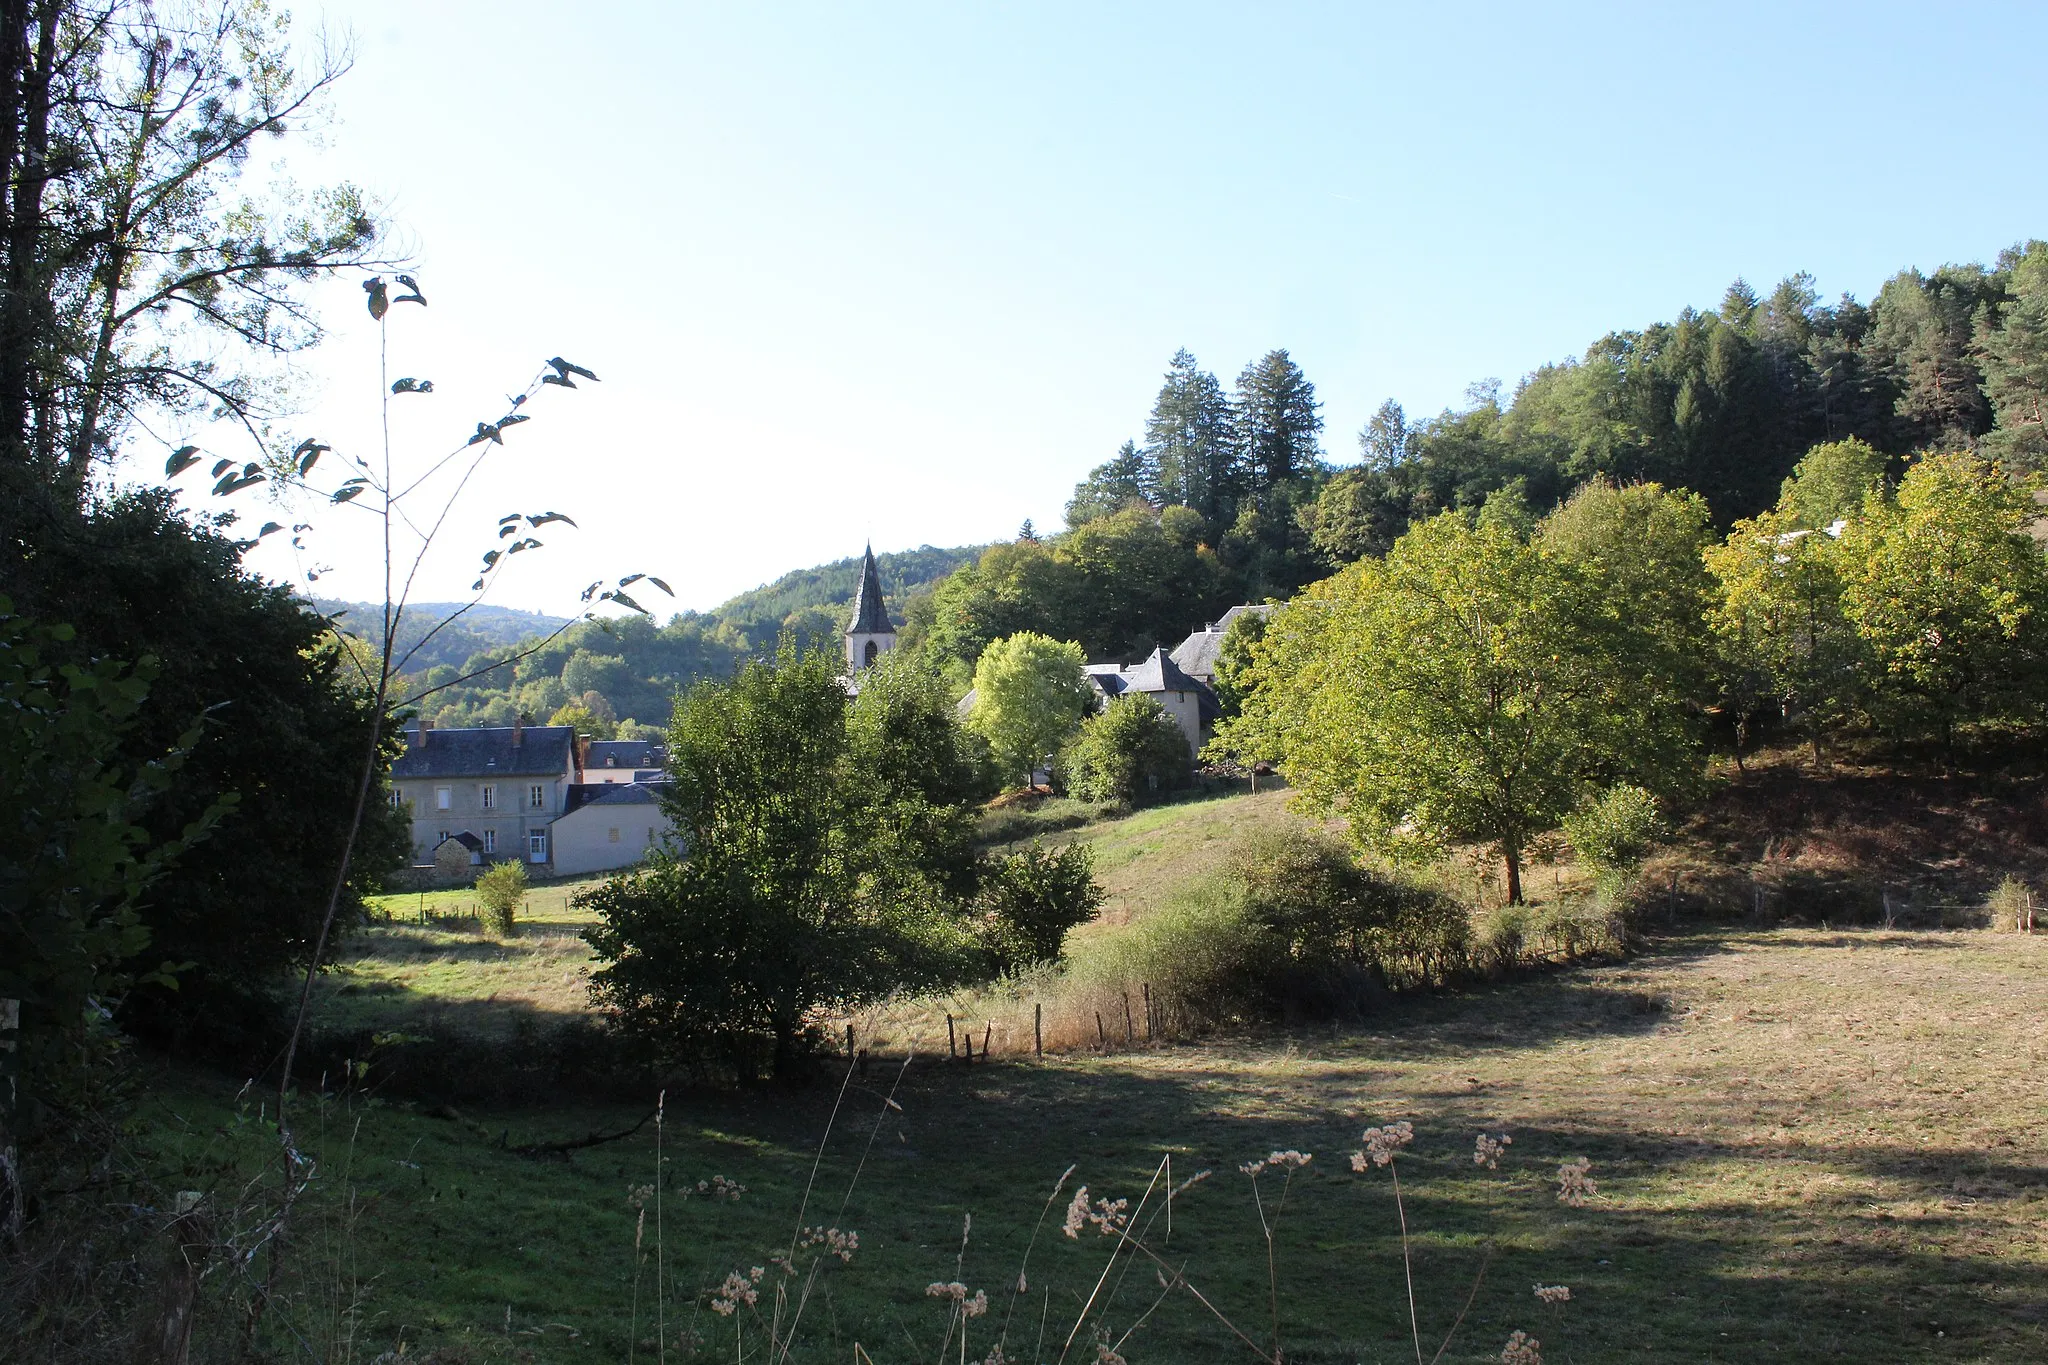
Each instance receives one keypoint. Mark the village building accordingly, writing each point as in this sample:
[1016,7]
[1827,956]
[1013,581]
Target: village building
[621,761]
[1196,656]
[500,793]
[609,825]
[1187,700]
[504,786]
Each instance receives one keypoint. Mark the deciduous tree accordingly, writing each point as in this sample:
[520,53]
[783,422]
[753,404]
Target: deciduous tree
[1948,590]
[1030,692]
[1471,686]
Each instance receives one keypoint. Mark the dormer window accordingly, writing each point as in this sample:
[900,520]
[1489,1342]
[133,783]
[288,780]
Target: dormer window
[611,760]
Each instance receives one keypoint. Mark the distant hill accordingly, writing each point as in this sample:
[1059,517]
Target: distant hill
[482,628]
[760,613]
[634,664]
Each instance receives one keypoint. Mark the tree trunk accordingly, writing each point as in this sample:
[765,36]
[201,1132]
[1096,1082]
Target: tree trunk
[1511,854]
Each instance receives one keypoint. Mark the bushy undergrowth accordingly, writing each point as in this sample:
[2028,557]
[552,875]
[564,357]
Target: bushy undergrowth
[1291,928]
[1029,819]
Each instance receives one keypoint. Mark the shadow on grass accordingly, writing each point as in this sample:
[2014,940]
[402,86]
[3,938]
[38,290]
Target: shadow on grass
[1705,1244]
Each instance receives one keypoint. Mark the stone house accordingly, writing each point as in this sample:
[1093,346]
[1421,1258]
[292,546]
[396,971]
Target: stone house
[1196,655]
[506,785]
[1186,699]
[510,792]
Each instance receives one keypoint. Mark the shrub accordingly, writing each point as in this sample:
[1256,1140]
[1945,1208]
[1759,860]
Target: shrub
[1614,833]
[501,889]
[1203,959]
[1324,909]
[1031,898]
[1132,750]
[2011,906]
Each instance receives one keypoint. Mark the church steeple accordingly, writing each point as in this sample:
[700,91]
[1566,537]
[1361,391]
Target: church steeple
[870,634]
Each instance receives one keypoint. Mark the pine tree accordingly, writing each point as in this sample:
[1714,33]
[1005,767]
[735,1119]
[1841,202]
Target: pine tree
[1385,440]
[1188,443]
[1922,338]
[1112,486]
[1278,420]
[2014,354]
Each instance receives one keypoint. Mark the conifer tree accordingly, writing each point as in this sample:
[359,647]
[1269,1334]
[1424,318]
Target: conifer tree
[1112,486]
[1189,442]
[1278,420]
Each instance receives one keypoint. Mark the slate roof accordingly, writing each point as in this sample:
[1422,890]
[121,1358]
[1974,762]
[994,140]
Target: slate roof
[870,610]
[626,753]
[1197,654]
[583,794]
[486,751]
[1159,674]
[1156,673]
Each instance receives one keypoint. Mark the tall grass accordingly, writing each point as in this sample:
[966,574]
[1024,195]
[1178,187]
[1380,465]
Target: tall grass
[1288,929]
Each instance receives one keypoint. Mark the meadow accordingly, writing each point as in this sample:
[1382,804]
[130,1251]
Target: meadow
[1807,1142]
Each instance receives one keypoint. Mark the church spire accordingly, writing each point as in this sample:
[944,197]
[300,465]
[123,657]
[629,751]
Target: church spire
[870,609]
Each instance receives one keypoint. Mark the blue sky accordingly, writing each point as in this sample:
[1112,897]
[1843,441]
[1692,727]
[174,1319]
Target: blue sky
[907,271]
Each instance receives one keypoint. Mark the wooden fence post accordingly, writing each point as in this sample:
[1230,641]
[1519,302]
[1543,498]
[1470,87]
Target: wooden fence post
[1148,1011]
[1101,1032]
[952,1048]
[1130,1034]
[986,1034]
[1038,1029]
[849,1042]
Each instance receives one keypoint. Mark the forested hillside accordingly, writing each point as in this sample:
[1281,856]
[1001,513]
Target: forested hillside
[480,629]
[1229,496]
[623,674]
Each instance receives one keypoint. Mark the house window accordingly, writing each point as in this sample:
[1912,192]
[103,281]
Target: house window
[397,799]
[490,797]
[443,797]
[490,841]
[611,836]
[537,846]
[536,796]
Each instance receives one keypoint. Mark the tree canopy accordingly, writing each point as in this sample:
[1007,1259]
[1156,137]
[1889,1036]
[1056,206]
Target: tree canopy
[1030,692]
[1473,686]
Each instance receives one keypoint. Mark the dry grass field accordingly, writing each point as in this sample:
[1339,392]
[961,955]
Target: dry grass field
[1808,1145]
[1809,1142]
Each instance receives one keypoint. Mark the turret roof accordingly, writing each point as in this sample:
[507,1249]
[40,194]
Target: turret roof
[870,610]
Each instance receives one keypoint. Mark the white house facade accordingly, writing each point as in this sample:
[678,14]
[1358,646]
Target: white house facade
[609,826]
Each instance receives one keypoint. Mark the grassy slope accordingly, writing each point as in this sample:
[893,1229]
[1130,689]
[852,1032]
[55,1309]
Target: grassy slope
[1808,1145]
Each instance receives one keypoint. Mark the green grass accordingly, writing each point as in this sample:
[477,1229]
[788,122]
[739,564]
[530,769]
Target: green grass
[1809,1145]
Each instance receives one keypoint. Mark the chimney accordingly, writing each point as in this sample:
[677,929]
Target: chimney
[518,730]
[582,751]
[425,724]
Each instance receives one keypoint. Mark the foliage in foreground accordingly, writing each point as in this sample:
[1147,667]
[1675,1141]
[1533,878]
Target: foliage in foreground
[826,858]
[80,862]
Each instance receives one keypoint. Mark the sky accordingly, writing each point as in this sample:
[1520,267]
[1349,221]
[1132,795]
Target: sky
[905,273]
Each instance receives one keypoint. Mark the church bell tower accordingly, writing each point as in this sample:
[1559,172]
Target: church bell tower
[870,634]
